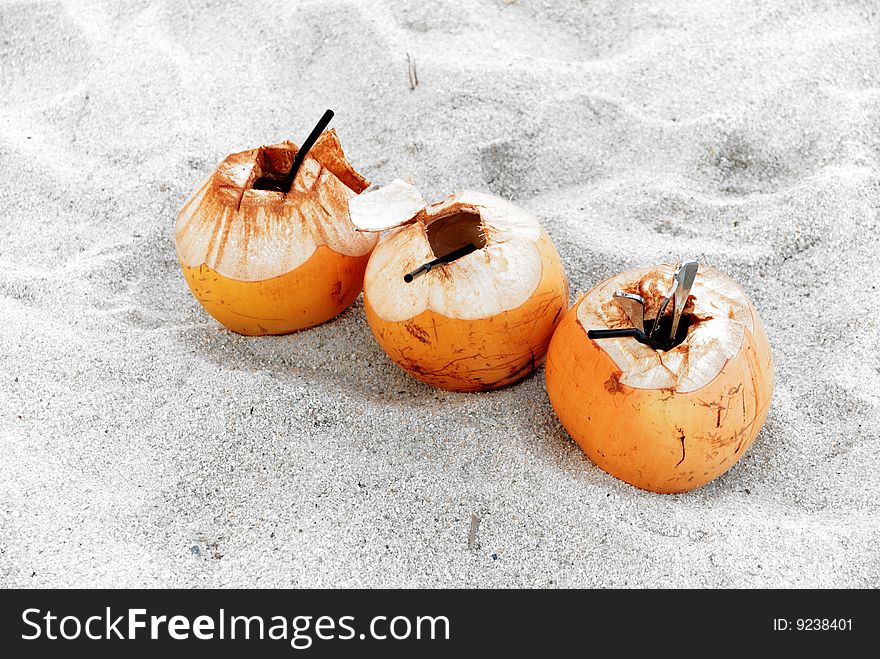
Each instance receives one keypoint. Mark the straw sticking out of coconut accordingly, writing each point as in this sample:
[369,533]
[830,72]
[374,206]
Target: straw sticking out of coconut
[283,184]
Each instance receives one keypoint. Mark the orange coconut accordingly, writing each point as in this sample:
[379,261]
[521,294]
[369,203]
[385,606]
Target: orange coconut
[268,262]
[665,421]
[480,322]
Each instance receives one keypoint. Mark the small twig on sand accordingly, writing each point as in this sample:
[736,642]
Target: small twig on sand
[411,72]
[472,535]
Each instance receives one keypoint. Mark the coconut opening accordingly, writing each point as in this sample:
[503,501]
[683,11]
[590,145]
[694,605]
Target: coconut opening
[272,168]
[665,327]
[711,330]
[269,180]
[455,231]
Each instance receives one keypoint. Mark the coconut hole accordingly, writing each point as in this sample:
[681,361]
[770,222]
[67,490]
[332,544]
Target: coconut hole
[451,232]
[273,166]
[684,324]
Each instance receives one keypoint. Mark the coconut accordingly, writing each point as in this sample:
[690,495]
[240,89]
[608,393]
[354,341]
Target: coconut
[665,420]
[265,259]
[463,294]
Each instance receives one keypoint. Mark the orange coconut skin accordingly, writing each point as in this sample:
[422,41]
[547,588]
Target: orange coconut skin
[318,290]
[487,353]
[658,440]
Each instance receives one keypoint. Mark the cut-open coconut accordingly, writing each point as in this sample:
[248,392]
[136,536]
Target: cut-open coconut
[481,319]
[663,420]
[263,260]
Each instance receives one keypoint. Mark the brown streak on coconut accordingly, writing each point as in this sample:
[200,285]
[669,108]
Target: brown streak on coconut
[526,366]
[612,384]
[681,438]
[419,333]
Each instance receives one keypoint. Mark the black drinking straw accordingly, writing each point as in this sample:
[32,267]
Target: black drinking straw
[633,332]
[448,258]
[614,333]
[287,182]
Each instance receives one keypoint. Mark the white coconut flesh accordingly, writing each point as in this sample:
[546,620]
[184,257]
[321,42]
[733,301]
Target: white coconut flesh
[390,206]
[720,311]
[502,274]
[251,235]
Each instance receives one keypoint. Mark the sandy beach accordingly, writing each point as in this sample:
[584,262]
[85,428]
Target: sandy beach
[142,444]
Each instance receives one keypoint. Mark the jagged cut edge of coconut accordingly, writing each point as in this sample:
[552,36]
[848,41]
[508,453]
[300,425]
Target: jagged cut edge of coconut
[499,277]
[253,235]
[719,302]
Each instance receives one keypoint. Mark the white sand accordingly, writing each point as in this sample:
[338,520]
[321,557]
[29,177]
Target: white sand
[141,444]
